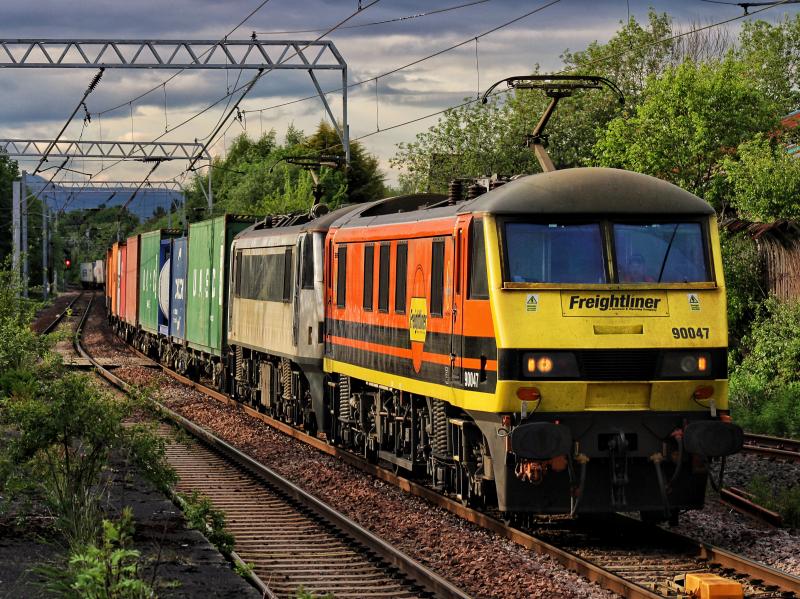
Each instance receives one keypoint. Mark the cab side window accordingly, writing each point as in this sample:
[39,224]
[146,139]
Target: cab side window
[478,281]
[437,278]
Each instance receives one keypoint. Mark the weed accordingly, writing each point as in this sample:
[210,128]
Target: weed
[108,570]
[203,516]
[785,501]
[243,569]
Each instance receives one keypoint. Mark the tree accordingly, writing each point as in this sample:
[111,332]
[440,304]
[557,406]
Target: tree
[8,172]
[690,118]
[365,182]
[467,141]
[476,140]
[765,180]
[771,55]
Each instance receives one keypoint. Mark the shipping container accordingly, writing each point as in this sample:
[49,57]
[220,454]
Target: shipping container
[209,250]
[111,279]
[164,278]
[131,312]
[87,274]
[122,267]
[177,289]
[151,261]
[99,273]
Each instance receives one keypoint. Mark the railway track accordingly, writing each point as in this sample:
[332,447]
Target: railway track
[772,447]
[60,316]
[290,538]
[621,554]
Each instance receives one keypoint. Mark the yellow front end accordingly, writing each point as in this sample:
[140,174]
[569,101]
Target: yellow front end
[609,396]
[620,316]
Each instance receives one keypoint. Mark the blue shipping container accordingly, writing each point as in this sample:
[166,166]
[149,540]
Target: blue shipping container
[164,282]
[177,308]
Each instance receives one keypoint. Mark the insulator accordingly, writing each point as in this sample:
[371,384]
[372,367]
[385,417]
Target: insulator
[96,80]
[454,191]
[474,190]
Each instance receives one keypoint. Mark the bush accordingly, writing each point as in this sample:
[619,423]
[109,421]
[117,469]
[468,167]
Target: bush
[66,428]
[108,570]
[773,344]
[784,501]
[764,387]
[203,516]
[743,285]
[20,346]
[760,407]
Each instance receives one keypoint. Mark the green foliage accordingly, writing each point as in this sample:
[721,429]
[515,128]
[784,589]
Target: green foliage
[8,172]
[20,346]
[773,345]
[691,117]
[764,387]
[467,141]
[66,429]
[475,140]
[254,179]
[203,516]
[243,569]
[771,54]
[629,58]
[785,501]
[86,235]
[743,285]
[108,570]
[765,180]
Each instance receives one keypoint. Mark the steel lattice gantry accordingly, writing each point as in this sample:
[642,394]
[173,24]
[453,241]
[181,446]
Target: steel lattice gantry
[266,55]
[83,186]
[169,54]
[121,150]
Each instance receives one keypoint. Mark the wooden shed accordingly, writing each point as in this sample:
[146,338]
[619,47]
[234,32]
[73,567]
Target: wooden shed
[779,251]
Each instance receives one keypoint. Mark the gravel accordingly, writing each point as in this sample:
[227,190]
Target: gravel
[476,560]
[722,526]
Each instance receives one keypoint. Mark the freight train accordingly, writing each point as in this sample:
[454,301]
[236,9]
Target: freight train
[92,274]
[554,343]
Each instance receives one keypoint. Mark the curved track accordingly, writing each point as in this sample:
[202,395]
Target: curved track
[290,538]
[621,554]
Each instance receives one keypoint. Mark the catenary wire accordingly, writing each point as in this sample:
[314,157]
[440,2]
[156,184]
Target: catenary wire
[385,21]
[564,71]
[469,40]
[174,75]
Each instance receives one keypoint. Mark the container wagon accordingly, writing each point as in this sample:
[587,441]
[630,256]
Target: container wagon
[153,258]
[206,295]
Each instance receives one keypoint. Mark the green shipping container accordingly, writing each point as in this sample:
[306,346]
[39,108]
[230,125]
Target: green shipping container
[207,281]
[151,259]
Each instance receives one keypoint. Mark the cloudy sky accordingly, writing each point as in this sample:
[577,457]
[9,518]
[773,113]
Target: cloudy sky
[35,103]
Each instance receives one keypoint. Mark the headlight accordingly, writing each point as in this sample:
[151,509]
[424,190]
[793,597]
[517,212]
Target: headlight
[686,364]
[549,365]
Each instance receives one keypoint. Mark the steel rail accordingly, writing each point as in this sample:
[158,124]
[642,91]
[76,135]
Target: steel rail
[569,559]
[60,316]
[422,576]
[743,502]
[704,553]
[772,447]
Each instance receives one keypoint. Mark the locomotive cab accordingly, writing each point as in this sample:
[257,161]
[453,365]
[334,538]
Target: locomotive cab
[608,304]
